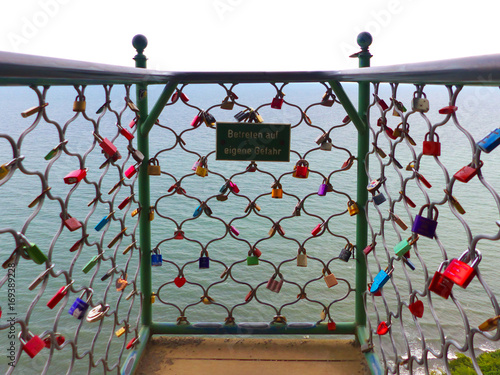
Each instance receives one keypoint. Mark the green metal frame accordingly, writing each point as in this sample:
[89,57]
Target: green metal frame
[149,327]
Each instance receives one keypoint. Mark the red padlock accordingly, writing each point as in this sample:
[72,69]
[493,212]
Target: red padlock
[277,102]
[430,147]
[58,296]
[448,110]
[468,172]
[460,272]
[408,201]
[71,223]
[125,202]
[59,340]
[33,346]
[107,146]
[417,308]
[440,284]
[75,176]
[367,250]
[317,229]
[197,120]
[382,104]
[133,123]
[125,133]
[383,328]
[301,169]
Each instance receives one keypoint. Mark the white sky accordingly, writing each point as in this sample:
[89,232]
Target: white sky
[250,34]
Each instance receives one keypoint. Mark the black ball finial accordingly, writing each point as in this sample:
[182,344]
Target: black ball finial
[364,40]
[139,42]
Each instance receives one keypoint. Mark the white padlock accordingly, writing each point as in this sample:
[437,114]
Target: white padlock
[420,104]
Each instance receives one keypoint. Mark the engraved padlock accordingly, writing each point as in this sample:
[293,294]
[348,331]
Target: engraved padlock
[460,272]
[79,104]
[79,307]
[426,226]
[274,285]
[490,142]
[420,104]
[154,168]
[440,284]
[156,258]
[432,148]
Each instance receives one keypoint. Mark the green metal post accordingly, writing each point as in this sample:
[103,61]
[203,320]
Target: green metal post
[364,41]
[140,42]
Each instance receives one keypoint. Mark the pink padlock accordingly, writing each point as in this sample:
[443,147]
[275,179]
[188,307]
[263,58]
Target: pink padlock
[131,171]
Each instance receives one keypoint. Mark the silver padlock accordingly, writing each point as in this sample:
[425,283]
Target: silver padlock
[302,258]
[420,104]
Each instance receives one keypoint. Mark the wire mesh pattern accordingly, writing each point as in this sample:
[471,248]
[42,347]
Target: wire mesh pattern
[65,175]
[420,307]
[240,234]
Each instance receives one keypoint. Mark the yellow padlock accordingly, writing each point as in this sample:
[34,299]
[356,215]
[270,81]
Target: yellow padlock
[80,104]
[121,331]
[154,167]
[4,170]
[201,171]
[151,213]
[135,212]
[153,297]
[352,207]
[277,191]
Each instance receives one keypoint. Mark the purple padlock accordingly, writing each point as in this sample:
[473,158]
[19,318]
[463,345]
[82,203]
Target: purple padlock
[323,188]
[423,225]
[79,307]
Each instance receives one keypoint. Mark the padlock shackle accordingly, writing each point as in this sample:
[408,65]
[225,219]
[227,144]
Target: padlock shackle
[433,134]
[430,210]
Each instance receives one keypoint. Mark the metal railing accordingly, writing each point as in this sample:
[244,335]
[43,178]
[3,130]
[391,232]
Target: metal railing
[237,277]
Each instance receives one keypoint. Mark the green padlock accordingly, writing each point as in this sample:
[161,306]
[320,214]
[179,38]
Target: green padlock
[92,262]
[252,260]
[36,254]
[404,246]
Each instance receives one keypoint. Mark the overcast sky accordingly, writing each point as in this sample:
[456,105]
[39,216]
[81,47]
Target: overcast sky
[250,34]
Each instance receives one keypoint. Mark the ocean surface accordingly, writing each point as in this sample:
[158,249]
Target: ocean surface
[478,113]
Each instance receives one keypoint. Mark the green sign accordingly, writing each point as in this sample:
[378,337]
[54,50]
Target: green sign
[252,142]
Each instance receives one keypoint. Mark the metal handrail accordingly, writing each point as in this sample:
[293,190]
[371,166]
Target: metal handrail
[17,69]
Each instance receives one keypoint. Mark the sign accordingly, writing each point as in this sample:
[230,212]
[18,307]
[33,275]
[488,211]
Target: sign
[252,142]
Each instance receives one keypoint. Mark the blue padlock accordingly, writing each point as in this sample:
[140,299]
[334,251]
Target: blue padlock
[103,222]
[408,262]
[423,225]
[204,262]
[224,187]
[381,279]
[156,258]
[378,199]
[79,307]
[490,142]
[198,211]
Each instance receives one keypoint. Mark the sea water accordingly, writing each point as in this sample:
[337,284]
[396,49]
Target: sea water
[478,111]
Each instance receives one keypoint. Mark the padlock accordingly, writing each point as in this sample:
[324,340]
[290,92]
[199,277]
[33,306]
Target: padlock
[448,110]
[33,346]
[417,308]
[128,248]
[70,222]
[302,258]
[197,120]
[374,185]
[204,262]
[454,202]
[153,297]
[242,115]
[35,254]
[346,119]
[178,235]
[79,104]
[125,202]
[490,142]
[352,207]
[405,245]
[277,102]
[424,225]
[234,231]
[131,105]
[135,212]
[39,279]
[107,146]
[277,191]
[97,313]
[33,110]
[132,123]
[346,253]
[440,284]
[255,117]
[368,249]
[398,131]
[54,151]
[398,106]
[132,343]
[131,171]
[154,168]
[432,148]
[408,201]
[79,307]
[328,98]
[121,283]
[91,263]
[209,119]
[198,210]
[317,229]
[398,220]
[121,331]
[59,339]
[301,169]
[378,199]
[381,279]
[151,213]
[460,272]
[383,328]
[59,296]
[233,187]
[382,121]
[201,171]
[420,104]
[156,258]
[227,103]
[108,274]
[465,174]
[39,197]
[252,260]
[329,278]
[382,103]
[379,151]
[252,167]
[128,135]
[323,189]
[326,145]
[75,176]
[490,324]
[274,285]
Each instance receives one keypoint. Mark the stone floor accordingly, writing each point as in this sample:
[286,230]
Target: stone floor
[205,356]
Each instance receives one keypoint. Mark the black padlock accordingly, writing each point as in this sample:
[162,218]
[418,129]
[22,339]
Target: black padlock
[346,253]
